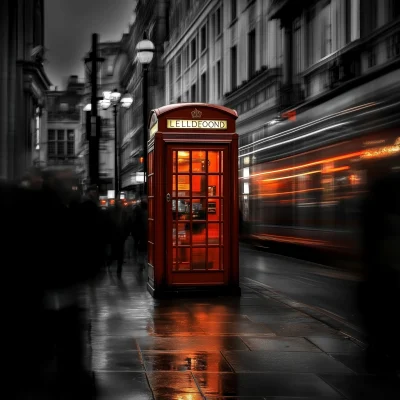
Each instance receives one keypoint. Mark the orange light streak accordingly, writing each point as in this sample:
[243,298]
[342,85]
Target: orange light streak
[291,176]
[326,160]
[328,171]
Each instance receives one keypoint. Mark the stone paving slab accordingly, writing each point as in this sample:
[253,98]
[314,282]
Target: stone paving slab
[258,346]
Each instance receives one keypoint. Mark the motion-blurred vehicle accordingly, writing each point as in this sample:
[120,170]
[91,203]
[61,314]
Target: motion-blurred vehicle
[303,181]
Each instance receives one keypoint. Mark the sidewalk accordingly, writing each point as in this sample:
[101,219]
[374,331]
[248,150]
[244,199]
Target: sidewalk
[258,346]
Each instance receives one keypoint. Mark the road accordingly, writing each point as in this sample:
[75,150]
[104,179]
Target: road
[329,289]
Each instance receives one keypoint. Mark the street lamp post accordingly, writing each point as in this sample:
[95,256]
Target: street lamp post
[145,51]
[91,63]
[114,99]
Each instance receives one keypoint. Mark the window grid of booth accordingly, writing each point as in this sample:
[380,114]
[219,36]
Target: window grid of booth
[197,210]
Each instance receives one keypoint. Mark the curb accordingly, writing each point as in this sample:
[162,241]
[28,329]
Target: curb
[323,316]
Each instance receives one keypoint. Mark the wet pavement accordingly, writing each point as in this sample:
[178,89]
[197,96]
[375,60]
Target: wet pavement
[258,346]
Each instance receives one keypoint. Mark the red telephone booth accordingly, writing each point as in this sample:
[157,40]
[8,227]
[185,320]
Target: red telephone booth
[193,200]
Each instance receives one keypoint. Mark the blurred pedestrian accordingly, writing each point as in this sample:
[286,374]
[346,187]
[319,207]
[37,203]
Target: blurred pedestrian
[119,232]
[379,295]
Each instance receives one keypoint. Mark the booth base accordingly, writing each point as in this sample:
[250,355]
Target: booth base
[193,291]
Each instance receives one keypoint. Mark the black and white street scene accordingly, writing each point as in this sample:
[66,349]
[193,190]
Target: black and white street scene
[200,199]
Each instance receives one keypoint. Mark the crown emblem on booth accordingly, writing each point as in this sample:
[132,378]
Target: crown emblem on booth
[196,113]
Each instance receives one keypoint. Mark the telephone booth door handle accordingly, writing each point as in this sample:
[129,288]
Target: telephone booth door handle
[168,197]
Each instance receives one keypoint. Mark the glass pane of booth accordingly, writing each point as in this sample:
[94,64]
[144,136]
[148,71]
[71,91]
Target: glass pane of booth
[214,161]
[183,161]
[199,258]
[213,185]
[183,258]
[199,185]
[213,233]
[213,258]
[199,161]
[183,185]
[213,209]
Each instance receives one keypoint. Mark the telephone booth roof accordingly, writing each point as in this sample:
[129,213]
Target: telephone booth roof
[172,107]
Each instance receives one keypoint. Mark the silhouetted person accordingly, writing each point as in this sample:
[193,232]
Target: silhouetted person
[380,293]
[119,225]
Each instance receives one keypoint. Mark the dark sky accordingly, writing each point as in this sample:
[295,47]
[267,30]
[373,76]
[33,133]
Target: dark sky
[69,25]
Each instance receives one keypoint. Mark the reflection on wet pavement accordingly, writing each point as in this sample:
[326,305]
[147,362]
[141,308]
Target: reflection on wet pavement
[221,348]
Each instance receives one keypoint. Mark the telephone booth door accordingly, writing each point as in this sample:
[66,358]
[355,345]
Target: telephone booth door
[197,188]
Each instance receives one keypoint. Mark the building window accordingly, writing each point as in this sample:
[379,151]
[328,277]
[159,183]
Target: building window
[218,79]
[394,9]
[218,22]
[311,37]
[252,53]
[193,50]
[371,58]
[193,93]
[347,21]
[64,107]
[326,30]
[187,57]
[60,143]
[233,9]
[297,46]
[369,16]
[203,38]
[171,81]
[178,66]
[233,67]
[203,81]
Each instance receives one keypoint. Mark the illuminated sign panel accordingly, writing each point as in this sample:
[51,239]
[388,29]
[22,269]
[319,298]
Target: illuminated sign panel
[197,124]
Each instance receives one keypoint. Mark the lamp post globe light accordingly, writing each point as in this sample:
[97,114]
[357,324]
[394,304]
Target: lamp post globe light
[145,51]
[115,99]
